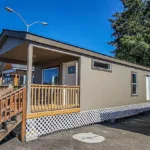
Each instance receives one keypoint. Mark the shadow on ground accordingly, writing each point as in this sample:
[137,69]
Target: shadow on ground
[7,139]
[137,124]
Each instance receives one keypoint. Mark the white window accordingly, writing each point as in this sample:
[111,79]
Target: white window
[101,65]
[134,83]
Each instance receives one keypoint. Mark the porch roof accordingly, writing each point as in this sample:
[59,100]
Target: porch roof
[18,41]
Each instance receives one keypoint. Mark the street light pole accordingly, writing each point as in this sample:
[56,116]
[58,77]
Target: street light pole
[27,25]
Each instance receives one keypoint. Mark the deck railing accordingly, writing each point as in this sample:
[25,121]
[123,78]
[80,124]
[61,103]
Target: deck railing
[2,87]
[6,91]
[54,97]
[11,104]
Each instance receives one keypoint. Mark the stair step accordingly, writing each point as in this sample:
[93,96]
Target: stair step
[2,131]
[9,126]
[18,117]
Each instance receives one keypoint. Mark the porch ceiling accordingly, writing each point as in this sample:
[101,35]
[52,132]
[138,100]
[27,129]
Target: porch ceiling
[40,55]
[15,55]
[19,55]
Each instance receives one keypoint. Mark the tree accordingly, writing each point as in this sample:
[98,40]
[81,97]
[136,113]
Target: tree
[132,32]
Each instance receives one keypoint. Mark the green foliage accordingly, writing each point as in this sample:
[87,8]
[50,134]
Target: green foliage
[132,32]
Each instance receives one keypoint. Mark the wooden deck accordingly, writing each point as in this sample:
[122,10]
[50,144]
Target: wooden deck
[52,113]
[46,100]
[53,97]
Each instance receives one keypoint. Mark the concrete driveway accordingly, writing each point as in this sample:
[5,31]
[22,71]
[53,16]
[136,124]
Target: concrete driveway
[127,134]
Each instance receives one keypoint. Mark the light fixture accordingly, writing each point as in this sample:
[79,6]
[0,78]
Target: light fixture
[8,9]
[27,25]
[44,23]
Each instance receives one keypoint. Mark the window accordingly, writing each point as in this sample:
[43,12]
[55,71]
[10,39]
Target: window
[71,69]
[51,75]
[134,83]
[101,65]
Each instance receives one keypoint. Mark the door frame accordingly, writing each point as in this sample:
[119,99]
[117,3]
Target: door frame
[148,87]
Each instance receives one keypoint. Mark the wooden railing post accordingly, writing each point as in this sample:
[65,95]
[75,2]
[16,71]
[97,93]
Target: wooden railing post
[23,127]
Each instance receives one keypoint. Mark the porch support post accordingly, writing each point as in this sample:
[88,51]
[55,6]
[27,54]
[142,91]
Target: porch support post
[77,70]
[29,76]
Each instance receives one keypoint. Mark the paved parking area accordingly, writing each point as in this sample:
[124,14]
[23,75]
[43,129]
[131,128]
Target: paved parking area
[127,134]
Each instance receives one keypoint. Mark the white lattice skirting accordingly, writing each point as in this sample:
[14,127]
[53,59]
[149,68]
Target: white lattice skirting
[44,125]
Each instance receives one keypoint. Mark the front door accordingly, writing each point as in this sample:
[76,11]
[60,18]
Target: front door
[148,87]
[70,73]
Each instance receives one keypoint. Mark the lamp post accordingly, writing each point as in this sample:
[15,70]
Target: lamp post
[27,25]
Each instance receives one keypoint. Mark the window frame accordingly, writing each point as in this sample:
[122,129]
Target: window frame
[72,72]
[99,68]
[47,68]
[134,84]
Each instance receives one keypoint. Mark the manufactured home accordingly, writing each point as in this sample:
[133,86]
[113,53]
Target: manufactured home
[72,86]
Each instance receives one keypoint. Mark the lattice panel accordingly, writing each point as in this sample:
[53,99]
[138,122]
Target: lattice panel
[48,124]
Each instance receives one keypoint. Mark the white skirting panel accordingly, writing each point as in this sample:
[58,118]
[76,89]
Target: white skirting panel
[44,125]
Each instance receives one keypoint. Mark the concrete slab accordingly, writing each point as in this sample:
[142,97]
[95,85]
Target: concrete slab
[88,137]
[126,134]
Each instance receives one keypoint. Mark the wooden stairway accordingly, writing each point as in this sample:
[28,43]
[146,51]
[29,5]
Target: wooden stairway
[11,106]
[7,127]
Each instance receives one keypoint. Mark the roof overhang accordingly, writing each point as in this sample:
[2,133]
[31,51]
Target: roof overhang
[21,39]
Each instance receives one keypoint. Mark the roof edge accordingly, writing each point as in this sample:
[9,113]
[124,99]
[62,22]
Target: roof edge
[76,49]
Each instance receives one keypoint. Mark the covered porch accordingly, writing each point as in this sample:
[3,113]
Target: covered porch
[55,88]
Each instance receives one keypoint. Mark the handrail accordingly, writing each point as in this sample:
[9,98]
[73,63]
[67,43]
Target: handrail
[6,86]
[3,87]
[13,92]
[6,92]
[43,85]
[12,104]
[54,97]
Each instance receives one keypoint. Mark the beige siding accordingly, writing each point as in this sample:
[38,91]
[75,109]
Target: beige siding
[100,89]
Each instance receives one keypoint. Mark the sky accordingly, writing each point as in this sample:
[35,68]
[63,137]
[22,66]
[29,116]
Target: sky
[83,23]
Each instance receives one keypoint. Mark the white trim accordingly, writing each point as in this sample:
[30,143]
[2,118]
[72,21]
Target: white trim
[148,87]
[24,79]
[136,94]
[54,50]
[77,73]
[9,71]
